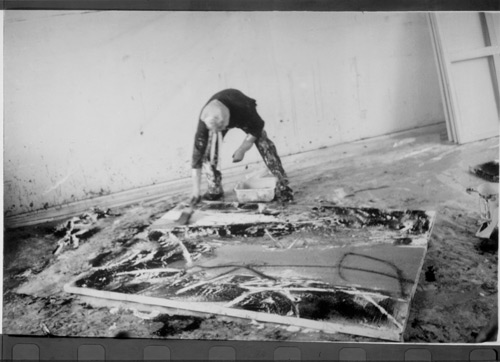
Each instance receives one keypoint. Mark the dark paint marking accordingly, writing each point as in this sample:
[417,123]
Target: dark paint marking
[430,275]
[316,305]
[403,241]
[216,292]
[99,279]
[253,230]
[98,260]
[367,189]
[269,302]
[96,280]
[155,235]
[250,267]
[131,288]
[355,218]
[340,304]
[162,257]
[363,217]
[173,325]
[490,245]
[122,335]
[399,273]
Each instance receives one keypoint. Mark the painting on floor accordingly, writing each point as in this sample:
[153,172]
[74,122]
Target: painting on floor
[336,269]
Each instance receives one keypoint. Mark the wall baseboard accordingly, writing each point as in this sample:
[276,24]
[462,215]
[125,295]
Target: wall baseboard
[173,191]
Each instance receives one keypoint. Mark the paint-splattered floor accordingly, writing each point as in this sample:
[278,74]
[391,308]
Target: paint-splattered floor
[456,294]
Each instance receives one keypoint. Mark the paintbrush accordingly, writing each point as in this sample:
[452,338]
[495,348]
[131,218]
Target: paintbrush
[185,215]
[187,212]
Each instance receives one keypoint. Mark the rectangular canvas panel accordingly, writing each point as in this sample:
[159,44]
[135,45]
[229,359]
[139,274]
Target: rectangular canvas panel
[343,270]
[467,50]
[475,92]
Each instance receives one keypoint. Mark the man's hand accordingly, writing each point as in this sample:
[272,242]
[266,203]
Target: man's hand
[196,180]
[238,155]
[245,146]
[194,200]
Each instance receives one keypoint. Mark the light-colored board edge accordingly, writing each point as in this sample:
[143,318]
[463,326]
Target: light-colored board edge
[461,136]
[471,54]
[214,309]
[447,66]
[440,78]
[432,216]
[448,76]
[443,75]
[494,41]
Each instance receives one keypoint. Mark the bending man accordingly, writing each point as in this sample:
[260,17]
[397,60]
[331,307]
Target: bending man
[228,109]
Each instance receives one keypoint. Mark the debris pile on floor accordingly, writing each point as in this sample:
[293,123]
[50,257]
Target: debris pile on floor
[76,227]
[487,171]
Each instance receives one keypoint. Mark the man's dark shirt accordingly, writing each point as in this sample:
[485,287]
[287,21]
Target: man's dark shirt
[242,114]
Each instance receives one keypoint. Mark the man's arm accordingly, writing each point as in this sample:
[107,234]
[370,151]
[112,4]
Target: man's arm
[196,182]
[245,146]
[200,145]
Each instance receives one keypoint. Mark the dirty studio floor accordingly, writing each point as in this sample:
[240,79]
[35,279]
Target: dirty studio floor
[416,170]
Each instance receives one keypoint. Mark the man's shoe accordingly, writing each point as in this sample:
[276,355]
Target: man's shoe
[284,194]
[213,197]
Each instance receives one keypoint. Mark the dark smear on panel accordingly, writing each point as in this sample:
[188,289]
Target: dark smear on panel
[98,280]
[228,290]
[398,273]
[131,288]
[331,218]
[173,325]
[372,217]
[339,304]
[268,302]
[216,292]
[403,241]
[122,335]
[249,230]
[162,257]
[99,259]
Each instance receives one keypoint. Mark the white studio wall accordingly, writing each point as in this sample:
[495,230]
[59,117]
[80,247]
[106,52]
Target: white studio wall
[101,102]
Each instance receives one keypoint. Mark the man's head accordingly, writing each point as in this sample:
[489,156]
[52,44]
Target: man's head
[215,115]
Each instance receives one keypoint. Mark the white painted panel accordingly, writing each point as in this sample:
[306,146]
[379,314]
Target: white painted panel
[462,31]
[472,85]
[478,112]
[496,22]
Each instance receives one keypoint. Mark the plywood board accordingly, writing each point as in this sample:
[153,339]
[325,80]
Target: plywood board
[210,218]
[444,78]
[467,52]
[493,26]
[479,118]
[345,270]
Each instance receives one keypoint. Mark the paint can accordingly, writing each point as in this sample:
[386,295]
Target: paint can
[488,198]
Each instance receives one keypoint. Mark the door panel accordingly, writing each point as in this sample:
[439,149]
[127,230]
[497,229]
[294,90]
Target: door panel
[467,54]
